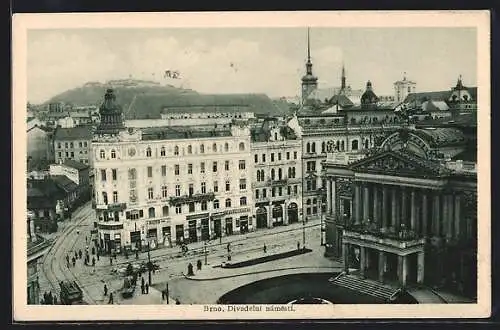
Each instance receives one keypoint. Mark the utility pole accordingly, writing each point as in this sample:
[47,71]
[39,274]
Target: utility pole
[321,220]
[149,265]
[303,232]
[205,252]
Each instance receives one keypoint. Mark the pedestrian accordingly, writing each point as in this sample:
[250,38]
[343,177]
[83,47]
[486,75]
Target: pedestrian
[55,300]
[110,298]
[85,262]
[298,245]
[86,239]
[45,299]
[105,290]
[229,247]
[177,302]
[76,255]
[93,261]
[80,254]
[98,257]
[198,264]
[74,261]
[137,254]
[93,250]
[265,248]
[142,284]
[67,259]
[147,288]
[110,260]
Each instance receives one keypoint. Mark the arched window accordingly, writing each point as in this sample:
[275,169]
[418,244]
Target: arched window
[202,148]
[148,152]
[102,154]
[308,147]
[162,151]
[105,197]
[165,211]
[132,174]
[354,145]
[308,202]
[190,149]
[226,146]
[272,174]
[313,147]
[216,203]
[113,153]
[176,150]
[242,146]
[323,147]
[214,147]
[228,202]
[151,212]
[280,174]
[243,201]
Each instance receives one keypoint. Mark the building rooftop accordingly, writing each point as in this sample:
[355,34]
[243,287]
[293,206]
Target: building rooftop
[73,133]
[440,137]
[64,183]
[182,132]
[436,96]
[74,164]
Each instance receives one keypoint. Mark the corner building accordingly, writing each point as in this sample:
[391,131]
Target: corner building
[166,185]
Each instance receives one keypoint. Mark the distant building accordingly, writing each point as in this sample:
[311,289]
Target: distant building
[40,150]
[277,174]
[37,247]
[309,81]
[77,172]
[73,143]
[402,88]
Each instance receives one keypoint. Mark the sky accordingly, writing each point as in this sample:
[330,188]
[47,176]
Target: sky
[250,60]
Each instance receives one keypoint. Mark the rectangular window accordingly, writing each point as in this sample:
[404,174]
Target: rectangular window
[59,145]
[176,169]
[256,193]
[164,170]
[150,171]
[150,193]
[191,189]
[243,184]
[67,154]
[279,155]
[256,159]
[203,188]
[264,193]
[103,175]
[85,144]
[273,192]
[216,186]
[202,167]
[60,154]
[241,164]
[214,167]
[295,189]
[190,168]
[71,144]
[80,144]
[280,191]
[226,165]
[289,191]
[115,196]
[288,155]
[164,191]
[66,145]
[72,154]
[204,206]
[272,157]
[228,186]
[191,207]
[113,174]
[178,209]
[177,190]
[295,155]
[263,158]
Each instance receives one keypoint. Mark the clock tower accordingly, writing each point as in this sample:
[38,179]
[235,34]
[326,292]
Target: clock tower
[309,81]
[110,114]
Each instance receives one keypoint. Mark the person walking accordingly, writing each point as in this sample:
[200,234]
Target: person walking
[265,248]
[229,247]
[142,285]
[110,298]
[105,290]
[93,261]
[298,245]
[74,262]
[111,261]
[198,264]
[98,257]
[67,259]
[147,288]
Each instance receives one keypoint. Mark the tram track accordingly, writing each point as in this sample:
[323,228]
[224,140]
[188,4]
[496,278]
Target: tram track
[52,261]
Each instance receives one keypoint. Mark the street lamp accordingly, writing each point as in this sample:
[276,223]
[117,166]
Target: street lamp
[303,232]
[149,264]
[205,252]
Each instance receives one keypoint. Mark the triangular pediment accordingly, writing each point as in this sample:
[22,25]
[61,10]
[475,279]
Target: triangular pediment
[400,164]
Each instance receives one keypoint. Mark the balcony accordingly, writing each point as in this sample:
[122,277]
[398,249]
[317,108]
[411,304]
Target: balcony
[277,182]
[401,240]
[110,225]
[344,158]
[196,198]
[117,207]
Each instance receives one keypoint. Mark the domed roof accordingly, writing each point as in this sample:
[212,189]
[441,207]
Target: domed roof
[109,105]
[369,96]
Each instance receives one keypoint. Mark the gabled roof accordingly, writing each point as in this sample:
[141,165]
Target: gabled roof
[64,183]
[436,96]
[74,164]
[73,133]
[342,101]
[399,163]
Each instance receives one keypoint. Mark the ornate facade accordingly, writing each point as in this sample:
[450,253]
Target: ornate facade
[401,215]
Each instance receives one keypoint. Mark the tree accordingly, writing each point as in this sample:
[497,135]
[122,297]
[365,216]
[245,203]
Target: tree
[130,270]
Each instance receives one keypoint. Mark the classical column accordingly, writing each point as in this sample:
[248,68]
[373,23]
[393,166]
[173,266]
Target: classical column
[424,219]
[449,216]
[436,217]
[413,211]
[384,206]
[404,209]
[362,260]
[376,206]
[420,267]
[357,203]
[345,253]
[366,203]
[285,213]
[394,217]
[457,216]
[270,216]
[381,265]
[329,196]
[402,269]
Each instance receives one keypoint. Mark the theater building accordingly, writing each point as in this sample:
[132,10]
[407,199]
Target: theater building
[277,174]
[405,213]
[167,185]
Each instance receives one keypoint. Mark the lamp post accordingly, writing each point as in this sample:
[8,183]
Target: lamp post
[321,221]
[149,264]
[303,232]
[205,252]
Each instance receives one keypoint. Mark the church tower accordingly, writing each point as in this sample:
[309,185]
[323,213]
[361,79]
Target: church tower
[309,81]
[343,79]
[110,113]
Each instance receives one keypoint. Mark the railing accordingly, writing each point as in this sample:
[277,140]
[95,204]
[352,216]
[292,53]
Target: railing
[277,182]
[403,238]
[192,198]
[110,225]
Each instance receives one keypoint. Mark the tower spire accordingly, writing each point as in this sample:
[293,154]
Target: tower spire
[343,79]
[308,47]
